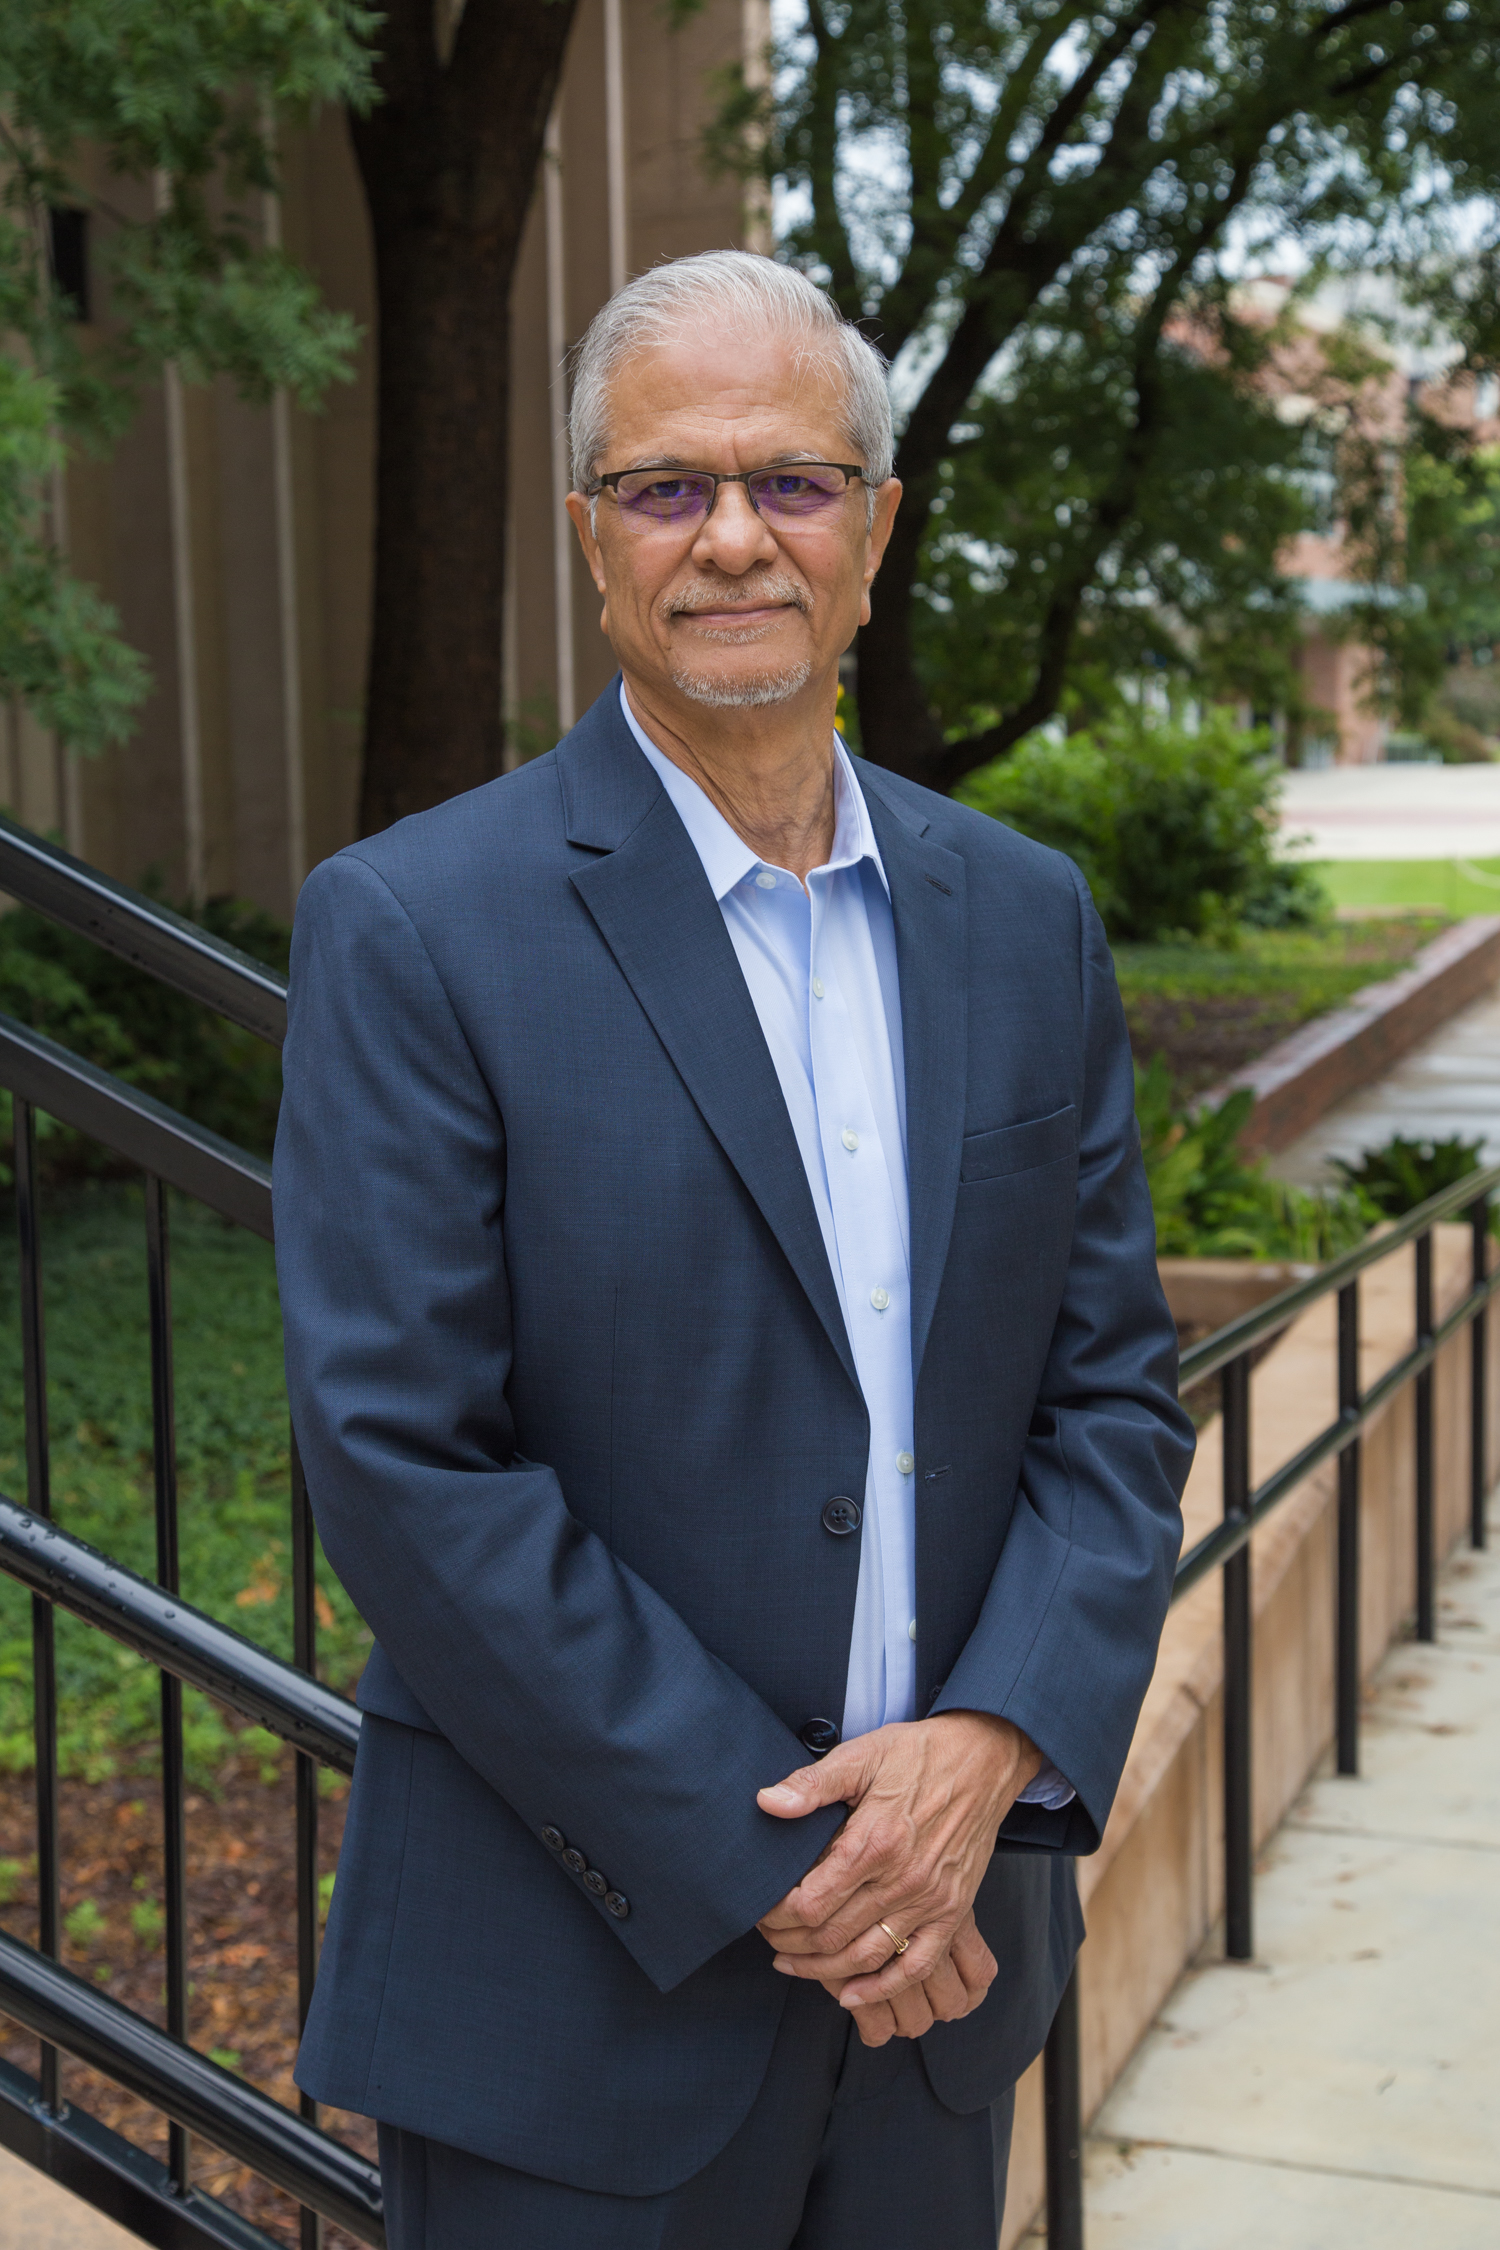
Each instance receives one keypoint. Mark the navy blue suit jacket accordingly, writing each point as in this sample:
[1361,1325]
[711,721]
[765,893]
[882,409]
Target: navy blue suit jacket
[572,1388]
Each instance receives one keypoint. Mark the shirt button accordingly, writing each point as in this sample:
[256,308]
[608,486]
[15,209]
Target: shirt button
[765,882]
[905,1463]
[850,1139]
[880,1298]
[817,988]
[911,1630]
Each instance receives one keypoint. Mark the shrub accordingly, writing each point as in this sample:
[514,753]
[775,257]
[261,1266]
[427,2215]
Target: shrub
[1400,1174]
[1210,1203]
[1173,828]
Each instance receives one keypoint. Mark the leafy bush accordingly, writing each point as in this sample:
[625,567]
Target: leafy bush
[1210,1203]
[101,1008]
[1400,1174]
[1173,829]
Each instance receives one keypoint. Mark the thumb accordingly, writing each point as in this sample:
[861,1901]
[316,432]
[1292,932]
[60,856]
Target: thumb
[837,1779]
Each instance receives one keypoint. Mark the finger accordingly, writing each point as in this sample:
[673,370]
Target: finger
[912,2011]
[973,1961]
[796,1954]
[838,1779]
[923,1953]
[876,2025]
[946,1993]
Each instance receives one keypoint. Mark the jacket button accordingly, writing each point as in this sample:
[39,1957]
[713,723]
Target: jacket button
[617,1905]
[554,1839]
[595,1882]
[574,1862]
[841,1516]
[819,1736]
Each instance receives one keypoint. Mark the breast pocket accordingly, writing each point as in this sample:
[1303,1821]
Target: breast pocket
[1020,1148]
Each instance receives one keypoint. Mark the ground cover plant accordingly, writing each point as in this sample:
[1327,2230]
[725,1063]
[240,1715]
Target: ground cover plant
[1441,886]
[1403,1173]
[1207,1010]
[232,1449]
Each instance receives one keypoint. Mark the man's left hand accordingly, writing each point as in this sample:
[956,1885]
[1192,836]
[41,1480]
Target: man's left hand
[928,1798]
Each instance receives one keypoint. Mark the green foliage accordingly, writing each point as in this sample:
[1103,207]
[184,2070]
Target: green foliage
[1043,214]
[1172,827]
[84,1923]
[11,1872]
[1210,1203]
[1400,1174]
[233,1469]
[111,1014]
[147,1920]
[179,102]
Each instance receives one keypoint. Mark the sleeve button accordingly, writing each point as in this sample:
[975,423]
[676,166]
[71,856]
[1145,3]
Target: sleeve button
[618,1905]
[554,1839]
[574,1861]
[595,1882]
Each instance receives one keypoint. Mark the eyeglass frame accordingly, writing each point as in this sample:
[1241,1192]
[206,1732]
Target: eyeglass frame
[611,480]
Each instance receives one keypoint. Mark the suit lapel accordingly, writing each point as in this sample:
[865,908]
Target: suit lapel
[928,905]
[654,909]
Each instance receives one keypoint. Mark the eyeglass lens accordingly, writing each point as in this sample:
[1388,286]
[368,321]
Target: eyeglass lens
[651,497]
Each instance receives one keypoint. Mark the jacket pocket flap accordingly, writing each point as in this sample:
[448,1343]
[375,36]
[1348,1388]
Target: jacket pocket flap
[1020,1148]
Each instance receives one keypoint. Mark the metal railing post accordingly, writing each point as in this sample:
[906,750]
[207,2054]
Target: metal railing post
[1479,1380]
[173,1814]
[1425,1527]
[1062,2102]
[305,1653]
[1346,1664]
[1239,1836]
[43,1625]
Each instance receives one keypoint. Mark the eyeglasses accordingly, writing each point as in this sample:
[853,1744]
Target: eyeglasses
[798,493]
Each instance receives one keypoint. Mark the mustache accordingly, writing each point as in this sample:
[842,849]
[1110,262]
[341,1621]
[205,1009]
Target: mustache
[735,593]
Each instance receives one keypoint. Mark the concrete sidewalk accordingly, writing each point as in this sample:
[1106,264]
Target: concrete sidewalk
[1392,812]
[1342,2092]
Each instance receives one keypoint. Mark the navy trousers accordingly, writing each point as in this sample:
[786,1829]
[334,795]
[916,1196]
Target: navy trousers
[846,2147]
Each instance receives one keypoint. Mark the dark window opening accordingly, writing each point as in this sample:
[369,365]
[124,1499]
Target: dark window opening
[70,259]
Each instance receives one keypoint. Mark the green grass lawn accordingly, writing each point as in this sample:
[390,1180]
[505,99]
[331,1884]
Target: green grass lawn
[232,1453]
[1451,886]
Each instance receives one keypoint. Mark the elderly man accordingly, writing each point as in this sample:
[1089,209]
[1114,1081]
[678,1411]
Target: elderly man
[726,1348]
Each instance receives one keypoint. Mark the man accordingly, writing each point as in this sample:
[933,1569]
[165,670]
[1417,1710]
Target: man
[723,1331]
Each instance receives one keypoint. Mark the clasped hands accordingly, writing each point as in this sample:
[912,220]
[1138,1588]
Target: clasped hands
[927,1800]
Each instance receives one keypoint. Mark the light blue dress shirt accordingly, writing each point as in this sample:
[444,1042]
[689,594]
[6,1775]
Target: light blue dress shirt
[820,964]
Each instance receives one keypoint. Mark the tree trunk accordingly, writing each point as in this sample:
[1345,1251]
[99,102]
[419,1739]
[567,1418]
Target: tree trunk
[448,157]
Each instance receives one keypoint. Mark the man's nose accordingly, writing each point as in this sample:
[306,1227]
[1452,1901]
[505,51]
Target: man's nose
[733,538]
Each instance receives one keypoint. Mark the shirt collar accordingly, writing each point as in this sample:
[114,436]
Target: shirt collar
[727,858]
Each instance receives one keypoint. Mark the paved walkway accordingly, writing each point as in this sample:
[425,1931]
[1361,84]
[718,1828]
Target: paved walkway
[36,2215]
[1449,1084]
[1394,812]
[1343,2091]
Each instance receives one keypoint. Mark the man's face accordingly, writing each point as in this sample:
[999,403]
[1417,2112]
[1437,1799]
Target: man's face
[731,610]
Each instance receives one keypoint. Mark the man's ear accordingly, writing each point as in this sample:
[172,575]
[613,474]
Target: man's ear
[887,501]
[580,508]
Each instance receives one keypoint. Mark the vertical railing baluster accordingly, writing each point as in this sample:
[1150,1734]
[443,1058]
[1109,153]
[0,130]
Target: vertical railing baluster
[1425,1527]
[174,1822]
[1062,2103]
[1479,1380]
[305,1656]
[39,1500]
[1346,1661]
[1239,1827]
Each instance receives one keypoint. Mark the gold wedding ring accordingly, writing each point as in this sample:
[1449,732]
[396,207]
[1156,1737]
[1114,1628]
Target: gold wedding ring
[900,1943]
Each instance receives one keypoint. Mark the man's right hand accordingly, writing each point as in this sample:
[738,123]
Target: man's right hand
[953,1989]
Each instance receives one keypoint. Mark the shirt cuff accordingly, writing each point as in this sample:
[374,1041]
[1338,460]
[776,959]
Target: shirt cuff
[1049,1790]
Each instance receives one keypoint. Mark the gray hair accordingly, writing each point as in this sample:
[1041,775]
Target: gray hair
[737,290]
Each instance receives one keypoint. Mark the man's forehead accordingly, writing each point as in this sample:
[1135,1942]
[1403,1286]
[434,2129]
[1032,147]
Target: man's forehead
[722,386]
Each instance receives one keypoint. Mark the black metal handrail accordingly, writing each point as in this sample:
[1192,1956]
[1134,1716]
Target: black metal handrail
[1229,1353]
[142,931]
[184,1641]
[193,2090]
